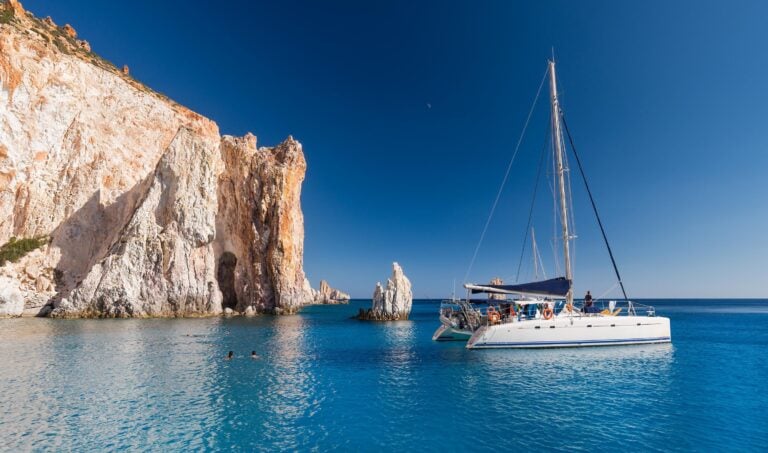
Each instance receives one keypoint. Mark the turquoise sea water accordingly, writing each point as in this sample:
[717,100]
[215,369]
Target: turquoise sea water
[324,381]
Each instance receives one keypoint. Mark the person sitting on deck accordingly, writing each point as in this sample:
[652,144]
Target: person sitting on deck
[588,308]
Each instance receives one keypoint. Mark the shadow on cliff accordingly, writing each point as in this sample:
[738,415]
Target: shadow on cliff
[225,276]
[87,235]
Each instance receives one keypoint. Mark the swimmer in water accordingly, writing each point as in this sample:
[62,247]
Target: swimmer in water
[253,355]
[230,356]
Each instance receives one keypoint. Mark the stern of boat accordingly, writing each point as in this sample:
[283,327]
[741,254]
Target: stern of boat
[448,333]
[478,334]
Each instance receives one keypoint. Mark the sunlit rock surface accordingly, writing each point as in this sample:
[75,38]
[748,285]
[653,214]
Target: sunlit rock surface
[163,262]
[260,226]
[11,300]
[392,302]
[325,294]
[149,211]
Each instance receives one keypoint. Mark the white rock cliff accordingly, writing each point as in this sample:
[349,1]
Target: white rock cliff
[148,210]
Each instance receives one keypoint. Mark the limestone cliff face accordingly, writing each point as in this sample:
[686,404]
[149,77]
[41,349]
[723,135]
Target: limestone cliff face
[163,262]
[260,226]
[144,203]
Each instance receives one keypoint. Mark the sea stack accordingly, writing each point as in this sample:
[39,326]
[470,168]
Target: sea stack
[328,295]
[393,302]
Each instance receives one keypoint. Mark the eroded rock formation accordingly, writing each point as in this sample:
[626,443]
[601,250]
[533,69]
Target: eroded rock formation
[327,295]
[149,211]
[392,302]
[69,31]
[260,226]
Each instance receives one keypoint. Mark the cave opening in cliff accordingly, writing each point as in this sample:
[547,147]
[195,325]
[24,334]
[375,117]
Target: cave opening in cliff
[226,278]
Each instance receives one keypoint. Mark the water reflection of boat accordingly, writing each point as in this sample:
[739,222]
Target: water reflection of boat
[540,363]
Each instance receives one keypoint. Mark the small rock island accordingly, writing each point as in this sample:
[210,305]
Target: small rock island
[393,302]
[326,295]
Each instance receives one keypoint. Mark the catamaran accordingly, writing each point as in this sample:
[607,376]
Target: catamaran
[542,314]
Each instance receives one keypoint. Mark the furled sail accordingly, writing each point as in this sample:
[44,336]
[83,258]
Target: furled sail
[553,287]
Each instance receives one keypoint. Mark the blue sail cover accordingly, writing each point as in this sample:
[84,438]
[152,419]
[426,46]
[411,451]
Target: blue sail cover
[553,287]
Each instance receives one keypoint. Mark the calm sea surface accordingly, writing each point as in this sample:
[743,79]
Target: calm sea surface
[325,381]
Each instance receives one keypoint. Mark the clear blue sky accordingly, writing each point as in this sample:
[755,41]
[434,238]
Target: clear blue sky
[667,102]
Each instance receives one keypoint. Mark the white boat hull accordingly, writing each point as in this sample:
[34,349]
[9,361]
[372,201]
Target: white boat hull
[448,333]
[573,331]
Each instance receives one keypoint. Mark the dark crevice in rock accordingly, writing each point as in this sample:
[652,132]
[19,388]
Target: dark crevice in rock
[225,275]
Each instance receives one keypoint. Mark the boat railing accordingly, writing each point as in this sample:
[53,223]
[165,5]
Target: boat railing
[620,308]
[509,312]
[449,306]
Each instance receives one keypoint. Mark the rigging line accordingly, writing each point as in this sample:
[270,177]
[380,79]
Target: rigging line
[541,263]
[533,201]
[594,206]
[608,291]
[506,175]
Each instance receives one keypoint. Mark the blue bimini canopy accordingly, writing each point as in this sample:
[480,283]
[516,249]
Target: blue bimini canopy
[553,287]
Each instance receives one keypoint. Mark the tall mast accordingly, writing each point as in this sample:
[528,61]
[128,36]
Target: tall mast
[557,139]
